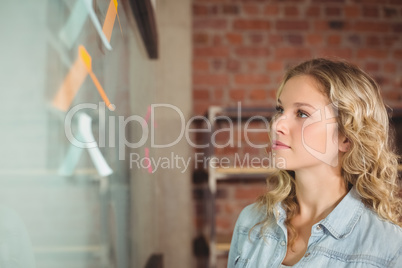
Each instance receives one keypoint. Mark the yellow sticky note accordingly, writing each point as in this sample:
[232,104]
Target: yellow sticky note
[85,57]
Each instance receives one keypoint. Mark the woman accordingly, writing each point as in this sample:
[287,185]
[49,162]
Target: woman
[335,202]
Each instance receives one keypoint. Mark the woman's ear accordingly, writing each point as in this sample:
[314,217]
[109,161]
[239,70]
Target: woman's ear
[344,144]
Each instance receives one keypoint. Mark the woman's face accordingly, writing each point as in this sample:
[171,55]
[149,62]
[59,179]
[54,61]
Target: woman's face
[304,131]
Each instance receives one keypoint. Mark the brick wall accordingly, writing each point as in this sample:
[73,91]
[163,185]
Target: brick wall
[241,49]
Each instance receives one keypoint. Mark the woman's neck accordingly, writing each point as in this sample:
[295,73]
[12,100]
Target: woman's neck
[318,192]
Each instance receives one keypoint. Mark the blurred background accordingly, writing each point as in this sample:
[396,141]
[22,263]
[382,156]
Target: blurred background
[110,205]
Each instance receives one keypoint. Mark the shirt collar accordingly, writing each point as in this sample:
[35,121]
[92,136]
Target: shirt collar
[341,221]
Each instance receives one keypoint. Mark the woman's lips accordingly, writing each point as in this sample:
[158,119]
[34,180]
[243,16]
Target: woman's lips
[279,145]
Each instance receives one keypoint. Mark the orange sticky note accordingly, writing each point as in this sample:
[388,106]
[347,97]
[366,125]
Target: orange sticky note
[110,19]
[70,86]
[102,92]
[87,60]
[74,79]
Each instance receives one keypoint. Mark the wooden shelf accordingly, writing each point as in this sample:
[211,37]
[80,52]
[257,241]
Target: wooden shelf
[251,171]
[223,247]
[244,171]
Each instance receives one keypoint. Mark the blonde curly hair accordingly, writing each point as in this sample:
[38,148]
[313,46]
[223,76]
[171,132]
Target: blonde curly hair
[370,164]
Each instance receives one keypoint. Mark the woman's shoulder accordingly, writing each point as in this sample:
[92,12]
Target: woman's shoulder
[251,215]
[372,222]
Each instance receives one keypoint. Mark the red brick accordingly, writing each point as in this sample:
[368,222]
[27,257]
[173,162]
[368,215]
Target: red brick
[321,25]
[258,138]
[332,11]
[237,94]
[295,39]
[390,67]
[242,24]
[222,138]
[230,208]
[252,51]
[198,222]
[343,53]
[390,12]
[289,25]
[338,25]
[200,10]
[252,79]
[291,11]
[372,67]
[223,223]
[372,11]
[369,26]
[272,94]
[313,11]
[354,39]
[390,40]
[251,9]
[201,108]
[366,53]
[217,40]
[233,66]
[204,10]
[292,53]
[252,66]
[250,193]
[217,65]
[200,65]
[211,52]
[218,94]
[398,54]
[250,150]
[210,79]
[373,40]
[201,94]
[227,151]
[275,39]
[397,27]
[230,9]
[274,66]
[314,39]
[256,38]
[234,39]
[214,24]
[391,95]
[271,10]
[200,39]
[334,39]
[278,78]
[351,11]
[330,1]
[325,25]
[258,94]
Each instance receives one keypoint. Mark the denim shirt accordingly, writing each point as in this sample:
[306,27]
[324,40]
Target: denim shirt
[352,235]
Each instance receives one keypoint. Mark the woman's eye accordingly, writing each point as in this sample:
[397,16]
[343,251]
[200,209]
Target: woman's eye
[279,110]
[302,114]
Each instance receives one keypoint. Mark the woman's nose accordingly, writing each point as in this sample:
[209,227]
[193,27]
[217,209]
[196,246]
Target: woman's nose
[279,125]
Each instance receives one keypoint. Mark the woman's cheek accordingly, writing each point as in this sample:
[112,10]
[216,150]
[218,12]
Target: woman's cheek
[314,138]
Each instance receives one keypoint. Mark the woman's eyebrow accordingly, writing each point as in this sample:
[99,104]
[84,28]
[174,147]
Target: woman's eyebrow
[299,104]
